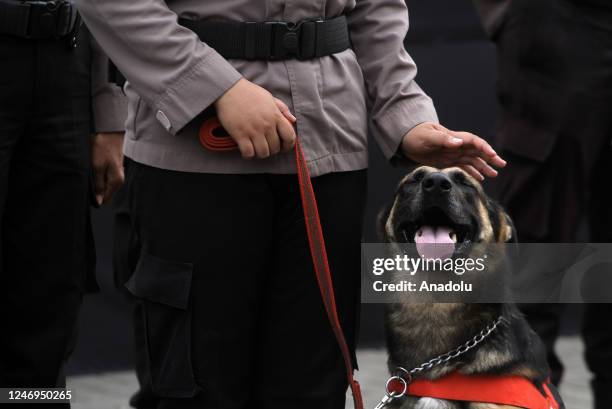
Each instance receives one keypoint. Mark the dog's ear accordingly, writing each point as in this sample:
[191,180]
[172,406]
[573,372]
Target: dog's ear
[503,227]
[511,230]
[509,236]
[381,222]
[507,229]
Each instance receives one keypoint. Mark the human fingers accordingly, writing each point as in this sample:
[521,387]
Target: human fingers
[274,142]
[260,143]
[286,131]
[245,146]
[479,164]
[472,172]
[114,180]
[285,110]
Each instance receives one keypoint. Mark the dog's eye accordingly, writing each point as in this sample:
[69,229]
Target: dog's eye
[417,177]
[462,180]
[408,185]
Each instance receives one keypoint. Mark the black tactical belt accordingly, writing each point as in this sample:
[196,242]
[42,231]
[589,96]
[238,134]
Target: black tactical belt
[273,40]
[38,19]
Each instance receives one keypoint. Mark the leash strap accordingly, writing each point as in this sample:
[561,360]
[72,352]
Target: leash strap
[212,137]
[321,266]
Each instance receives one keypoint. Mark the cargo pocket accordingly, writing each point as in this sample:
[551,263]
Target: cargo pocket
[163,286]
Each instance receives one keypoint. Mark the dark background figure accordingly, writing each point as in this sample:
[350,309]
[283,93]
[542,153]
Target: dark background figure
[555,91]
[51,81]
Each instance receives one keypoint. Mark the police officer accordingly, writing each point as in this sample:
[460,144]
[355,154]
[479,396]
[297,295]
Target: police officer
[231,311]
[555,92]
[51,168]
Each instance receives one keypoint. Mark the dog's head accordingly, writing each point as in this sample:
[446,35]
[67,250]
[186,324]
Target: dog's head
[444,206]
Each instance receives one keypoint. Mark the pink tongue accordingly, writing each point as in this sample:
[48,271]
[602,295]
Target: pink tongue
[434,242]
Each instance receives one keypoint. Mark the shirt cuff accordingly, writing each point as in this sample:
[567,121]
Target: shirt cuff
[389,129]
[195,91]
[109,110]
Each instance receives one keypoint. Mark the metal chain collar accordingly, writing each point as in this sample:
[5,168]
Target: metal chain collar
[444,358]
[405,376]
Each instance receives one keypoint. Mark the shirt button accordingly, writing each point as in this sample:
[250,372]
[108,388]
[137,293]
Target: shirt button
[163,119]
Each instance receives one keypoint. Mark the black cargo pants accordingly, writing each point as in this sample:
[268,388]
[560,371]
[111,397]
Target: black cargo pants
[230,311]
[45,235]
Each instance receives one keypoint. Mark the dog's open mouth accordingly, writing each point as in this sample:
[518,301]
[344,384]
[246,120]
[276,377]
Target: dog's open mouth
[436,234]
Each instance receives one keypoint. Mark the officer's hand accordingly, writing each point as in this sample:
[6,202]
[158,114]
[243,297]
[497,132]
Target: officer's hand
[434,145]
[107,162]
[260,124]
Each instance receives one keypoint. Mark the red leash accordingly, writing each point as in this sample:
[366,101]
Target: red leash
[213,137]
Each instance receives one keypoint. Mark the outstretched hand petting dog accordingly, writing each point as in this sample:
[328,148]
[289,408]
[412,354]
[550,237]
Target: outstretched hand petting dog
[432,144]
[262,126]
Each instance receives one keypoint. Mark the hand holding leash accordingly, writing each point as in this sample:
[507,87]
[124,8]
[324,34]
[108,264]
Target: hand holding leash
[260,124]
[213,137]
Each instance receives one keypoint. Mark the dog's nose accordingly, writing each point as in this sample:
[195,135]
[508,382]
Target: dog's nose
[436,182]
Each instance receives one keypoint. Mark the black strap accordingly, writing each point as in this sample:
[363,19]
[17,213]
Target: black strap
[38,19]
[273,40]
[14,18]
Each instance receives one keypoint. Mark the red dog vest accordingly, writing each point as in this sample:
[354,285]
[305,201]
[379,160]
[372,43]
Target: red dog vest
[501,390]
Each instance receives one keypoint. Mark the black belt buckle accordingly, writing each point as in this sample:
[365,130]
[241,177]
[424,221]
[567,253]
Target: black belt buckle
[296,40]
[49,19]
[284,39]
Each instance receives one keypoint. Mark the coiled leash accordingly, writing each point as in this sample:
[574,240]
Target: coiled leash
[214,138]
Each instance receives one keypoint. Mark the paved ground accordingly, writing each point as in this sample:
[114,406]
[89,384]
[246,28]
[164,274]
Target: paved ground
[112,390]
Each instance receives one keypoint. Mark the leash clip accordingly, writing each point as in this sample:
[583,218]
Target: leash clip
[385,401]
[395,388]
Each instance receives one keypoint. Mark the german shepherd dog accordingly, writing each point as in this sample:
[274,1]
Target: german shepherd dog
[448,206]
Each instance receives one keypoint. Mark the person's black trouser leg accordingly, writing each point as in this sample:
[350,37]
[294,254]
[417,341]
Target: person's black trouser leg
[45,232]
[230,303]
[544,201]
[554,86]
[126,251]
[597,318]
[527,179]
[598,351]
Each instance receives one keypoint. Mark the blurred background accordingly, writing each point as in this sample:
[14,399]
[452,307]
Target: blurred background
[457,68]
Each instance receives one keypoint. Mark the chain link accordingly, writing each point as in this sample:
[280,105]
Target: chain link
[406,375]
[444,358]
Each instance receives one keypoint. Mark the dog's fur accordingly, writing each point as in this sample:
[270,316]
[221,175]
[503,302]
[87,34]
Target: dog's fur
[419,332]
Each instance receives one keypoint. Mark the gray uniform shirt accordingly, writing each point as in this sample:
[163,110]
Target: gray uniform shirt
[173,76]
[108,103]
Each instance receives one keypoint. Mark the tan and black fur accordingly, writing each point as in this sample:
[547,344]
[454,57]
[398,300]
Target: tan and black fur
[419,332]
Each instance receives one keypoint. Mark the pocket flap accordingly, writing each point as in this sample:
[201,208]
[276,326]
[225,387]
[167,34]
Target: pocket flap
[163,281]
